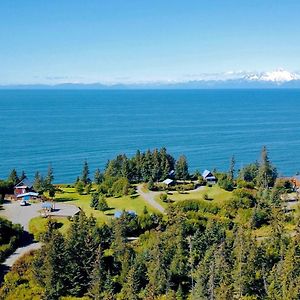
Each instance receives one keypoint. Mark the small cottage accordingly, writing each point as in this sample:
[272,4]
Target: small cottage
[209,177]
[23,187]
[168,182]
[24,191]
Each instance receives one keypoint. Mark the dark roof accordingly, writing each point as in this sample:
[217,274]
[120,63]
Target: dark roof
[25,182]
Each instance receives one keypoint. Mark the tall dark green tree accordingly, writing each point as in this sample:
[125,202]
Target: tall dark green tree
[38,183]
[85,173]
[232,168]
[13,177]
[50,176]
[98,177]
[267,174]
[181,168]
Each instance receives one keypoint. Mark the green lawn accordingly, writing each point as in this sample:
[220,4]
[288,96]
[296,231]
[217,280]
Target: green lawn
[214,193]
[38,225]
[135,203]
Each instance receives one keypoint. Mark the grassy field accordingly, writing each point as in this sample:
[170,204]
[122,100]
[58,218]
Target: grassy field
[38,225]
[214,193]
[134,203]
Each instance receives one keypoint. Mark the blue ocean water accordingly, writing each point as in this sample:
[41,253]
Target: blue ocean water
[65,127]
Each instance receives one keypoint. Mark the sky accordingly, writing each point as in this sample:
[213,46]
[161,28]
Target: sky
[145,40]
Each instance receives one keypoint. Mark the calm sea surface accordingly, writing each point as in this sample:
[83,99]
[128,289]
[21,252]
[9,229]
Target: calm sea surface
[208,126]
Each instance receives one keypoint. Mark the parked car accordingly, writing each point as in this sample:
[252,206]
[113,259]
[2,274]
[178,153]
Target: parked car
[23,203]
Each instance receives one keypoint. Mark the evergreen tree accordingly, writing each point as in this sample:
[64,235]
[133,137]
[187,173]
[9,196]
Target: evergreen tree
[98,177]
[102,204]
[267,174]
[13,177]
[85,173]
[232,168]
[94,201]
[97,277]
[181,168]
[38,183]
[79,187]
[50,177]
[54,272]
[23,176]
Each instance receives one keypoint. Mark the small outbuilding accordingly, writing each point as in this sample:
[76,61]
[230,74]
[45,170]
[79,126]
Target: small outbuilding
[209,177]
[168,182]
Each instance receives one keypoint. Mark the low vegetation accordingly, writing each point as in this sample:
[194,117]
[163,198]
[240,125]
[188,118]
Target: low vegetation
[10,235]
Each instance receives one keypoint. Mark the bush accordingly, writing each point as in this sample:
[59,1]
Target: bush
[10,235]
[120,187]
[94,201]
[79,187]
[197,205]
[244,184]
[163,197]
[102,205]
[226,184]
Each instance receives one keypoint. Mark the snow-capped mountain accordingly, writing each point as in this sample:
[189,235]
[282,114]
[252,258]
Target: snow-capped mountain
[278,76]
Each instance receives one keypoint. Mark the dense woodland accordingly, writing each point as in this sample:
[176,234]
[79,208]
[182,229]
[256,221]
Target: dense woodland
[198,250]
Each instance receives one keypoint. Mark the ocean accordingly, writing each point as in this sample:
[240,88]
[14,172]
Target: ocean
[65,127]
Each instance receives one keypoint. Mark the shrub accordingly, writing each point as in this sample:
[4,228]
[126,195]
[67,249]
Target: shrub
[198,205]
[102,205]
[79,187]
[163,197]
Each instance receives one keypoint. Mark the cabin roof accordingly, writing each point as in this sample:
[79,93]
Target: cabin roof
[205,173]
[167,181]
[28,194]
[24,183]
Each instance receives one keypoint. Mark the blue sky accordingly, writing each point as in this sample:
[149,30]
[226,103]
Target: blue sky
[144,40]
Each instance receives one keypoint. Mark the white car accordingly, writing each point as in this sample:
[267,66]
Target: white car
[23,203]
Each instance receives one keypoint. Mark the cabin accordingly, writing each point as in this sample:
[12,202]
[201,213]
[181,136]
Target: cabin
[168,182]
[24,191]
[24,186]
[209,177]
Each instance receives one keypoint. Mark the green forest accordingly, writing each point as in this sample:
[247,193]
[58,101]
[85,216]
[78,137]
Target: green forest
[198,249]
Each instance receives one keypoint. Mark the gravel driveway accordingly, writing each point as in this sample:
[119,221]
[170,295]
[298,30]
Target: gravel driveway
[22,215]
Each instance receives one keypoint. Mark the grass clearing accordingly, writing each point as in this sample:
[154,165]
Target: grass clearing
[133,202]
[38,225]
[214,193]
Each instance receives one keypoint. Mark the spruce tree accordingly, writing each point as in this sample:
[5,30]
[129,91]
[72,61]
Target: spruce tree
[85,173]
[13,177]
[98,177]
[181,168]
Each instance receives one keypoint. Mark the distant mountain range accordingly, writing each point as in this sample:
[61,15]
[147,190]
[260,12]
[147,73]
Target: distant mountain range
[280,79]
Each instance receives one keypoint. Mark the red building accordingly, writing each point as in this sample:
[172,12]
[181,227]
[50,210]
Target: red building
[24,186]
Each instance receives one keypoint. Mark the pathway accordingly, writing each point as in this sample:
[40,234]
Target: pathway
[150,198]
[22,215]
